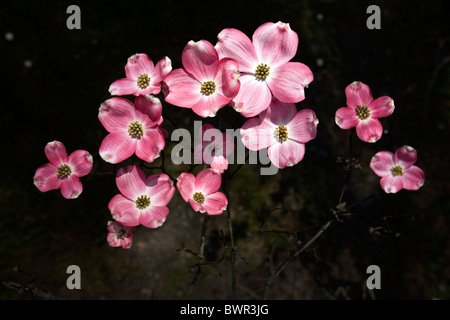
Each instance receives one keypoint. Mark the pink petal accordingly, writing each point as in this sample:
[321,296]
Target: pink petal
[358,94]
[287,81]
[257,134]
[124,211]
[154,216]
[123,87]
[346,117]
[45,178]
[275,43]
[286,154]
[150,145]
[161,70]
[182,89]
[391,184]
[151,106]
[405,156]
[279,113]
[413,178]
[208,106]
[234,44]
[81,162]
[369,130]
[200,59]
[253,98]
[160,189]
[382,163]
[71,187]
[207,182]
[219,164]
[56,153]
[303,127]
[115,114]
[186,185]
[117,146]
[195,205]
[227,78]
[138,64]
[131,182]
[215,203]
[381,107]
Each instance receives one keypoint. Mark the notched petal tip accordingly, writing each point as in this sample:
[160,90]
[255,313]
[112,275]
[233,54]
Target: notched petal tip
[373,139]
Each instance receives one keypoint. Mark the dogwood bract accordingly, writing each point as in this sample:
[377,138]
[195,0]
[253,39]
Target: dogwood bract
[265,66]
[142,76]
[363,111]
[141,200]
[397,170]
[283,131]
[63,171]
[130,131]
[205,84]
[201,191]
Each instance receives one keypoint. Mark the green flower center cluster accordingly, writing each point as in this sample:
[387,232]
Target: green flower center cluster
[281,133]
[142,202]
[262,71]
[208,88]
[199,197]
[397,171]
[362,112]
[143,81]
[63,171]
[135,130]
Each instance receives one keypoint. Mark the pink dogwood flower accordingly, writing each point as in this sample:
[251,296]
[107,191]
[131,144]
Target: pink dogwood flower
[397,170]
[131,131]
[264,63]
[63,171]
[141,200]
[119,235]
[201,191]
[363,112]
[283,131]
[214,147]
[142,76]
[205,84]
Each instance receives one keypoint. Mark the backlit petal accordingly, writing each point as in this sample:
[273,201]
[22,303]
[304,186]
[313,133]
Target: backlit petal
[369,130]
[358,94]
[138,64]
[234,44]
[391,184]
[303,127]
[186,185]
[286,154]
[382,107]
[117,146]
[257,134]
[287,82]
[346,118]
[56,153]
[215,203]
[382,163]
[405,156]
[413,178]
[207,181]
[154,216]
[275,43]
[181,89]
[124,211]
[71,187]
[45,178]
[253,98]
[200,59]
[81,162]
[131,182]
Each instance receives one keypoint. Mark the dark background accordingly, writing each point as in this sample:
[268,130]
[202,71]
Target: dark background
[53,80]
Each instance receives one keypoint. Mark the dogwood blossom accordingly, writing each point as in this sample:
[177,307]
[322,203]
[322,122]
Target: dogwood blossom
[119,235]
[363,112]
[397,170]
[264,63]
[63,171]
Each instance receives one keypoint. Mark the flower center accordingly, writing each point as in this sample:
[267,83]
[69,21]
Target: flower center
[142,202]
[121,234]
[262,71]
[135,130]
[199,197]
[208,88]
[281,133]
[397,171]
[362,112]
[143,81]
[63,171]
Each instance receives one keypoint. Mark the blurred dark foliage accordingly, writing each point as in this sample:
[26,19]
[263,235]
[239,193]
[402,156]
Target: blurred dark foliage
[53,80]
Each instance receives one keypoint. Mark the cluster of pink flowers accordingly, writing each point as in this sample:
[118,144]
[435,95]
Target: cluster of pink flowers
[254,76]
[362,113]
